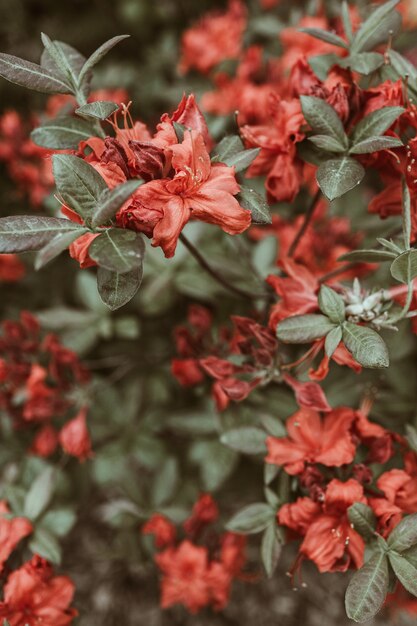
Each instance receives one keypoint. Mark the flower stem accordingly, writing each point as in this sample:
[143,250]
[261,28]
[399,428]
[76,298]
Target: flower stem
[307,219]
[218,277]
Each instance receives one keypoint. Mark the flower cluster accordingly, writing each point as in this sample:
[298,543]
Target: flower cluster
[41,385]
[198,570]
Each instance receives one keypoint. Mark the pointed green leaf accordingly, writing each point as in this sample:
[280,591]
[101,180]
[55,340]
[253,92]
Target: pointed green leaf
[251,519]
[247,439]
[375,124]
[367,589]
[62,133]
[405,571]
[99,110]
[118,250]
[256,204]
[333,338]
[368,256]
[46,545]
[376,29]
[243,159]
[57,245]
[326,36]
[329,144]
[78,183]
[62,62]
[304,328]
[40,493]
[20,233]
[322,118]
[113,200]
[338,176]
[404,268]
[98,55]
[365,345]
[116,290]
[374,144]
[30,75]
[364,63]
[404,535]
[363,519]
[331,304]
[227,148]
[271,549]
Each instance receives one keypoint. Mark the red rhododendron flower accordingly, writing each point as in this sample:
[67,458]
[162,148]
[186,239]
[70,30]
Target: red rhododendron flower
[74,437]
[11,268]
[12,531]
[314,440]
[33,595]
[161,528]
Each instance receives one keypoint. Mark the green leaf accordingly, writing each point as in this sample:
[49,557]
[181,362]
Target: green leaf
[247,439]
[365,345]
[375,124]
[323,119]
[405,571]
[304,328]
[375,29]
[347,23]
[329,144]
[63,63]
[45,544]
[270,473]
[331,304]
[367,589]
[411,436]
[368,256]
[40,493]
[252,519]
[404,268]
[333,338]
[273,425]
[242,160]
[30,75]
[401,65]
[112,200]
[404,535]
[98,55]
[227,148]
[321,64]
[99,110]
[20,233]
[59,522]
[57,245]
[179,131]
[374,144]
[78,183]
[118,250]
[364,63]
[326,36]
[252,200]
[363,519]
[62,133]
[166,482]
[74,60]
[338,176]
[213,475]
[116,290]
[271,547]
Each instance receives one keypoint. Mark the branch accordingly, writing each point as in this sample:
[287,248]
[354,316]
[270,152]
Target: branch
[307,219]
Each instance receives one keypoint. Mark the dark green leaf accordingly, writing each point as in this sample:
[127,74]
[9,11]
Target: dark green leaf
[40,493]
[404,535]
[98,55]
[364,63]
[55,246]
[368,256]
[331,304]
[329,144]
[59,522]
[404,268]
[376,29]
[375,124]
[374,144]
[273,425]
[405,571]
[365,345]
[322,63]
[338,176]
[100,110]
[112,200]
[78,183]
[74,59]
[118,250]
[228,148]
[252,519]
[247,439]
[63,63]
[363,519]
[271,549]
[179,131]
[326,36]
[242,160]
[20,233]
[367,589]
[62,133]
[116,290]
[333,338]
[30,75]
[304,328]
[256,204]
[347,23]
[45,544]
[323,119]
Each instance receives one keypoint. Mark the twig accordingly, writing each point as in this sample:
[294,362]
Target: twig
[307,219]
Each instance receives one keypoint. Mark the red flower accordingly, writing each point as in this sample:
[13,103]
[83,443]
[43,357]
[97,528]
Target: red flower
[79,250]
[205,511]
[199,190]
[11,268]
[12,531]
[74,437]
[314,440]
[162,529]
[45,441]
[33,595]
